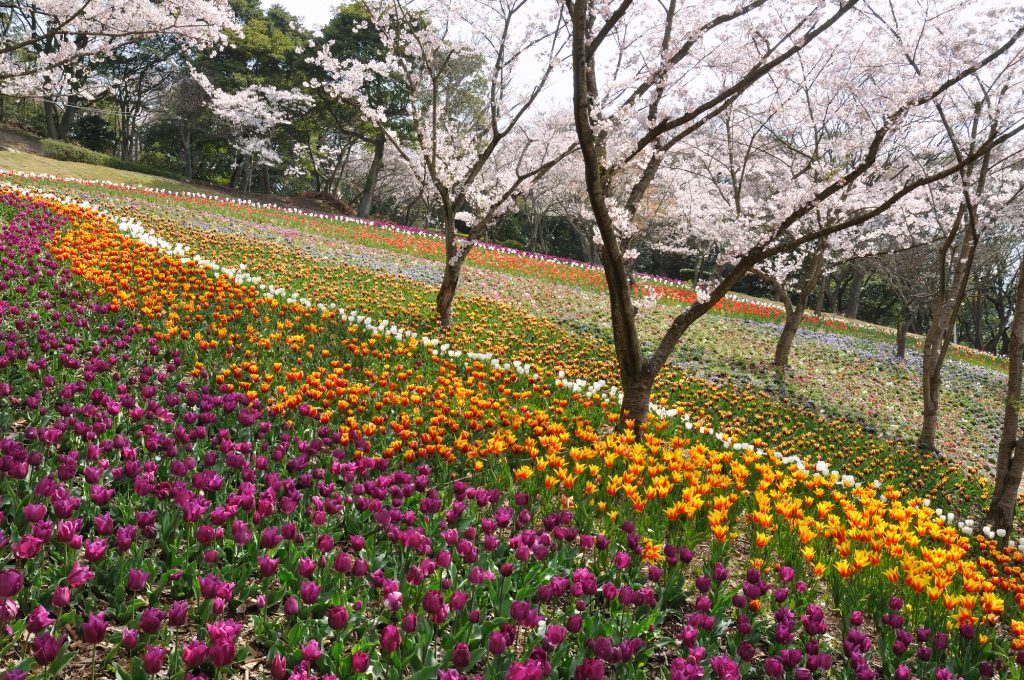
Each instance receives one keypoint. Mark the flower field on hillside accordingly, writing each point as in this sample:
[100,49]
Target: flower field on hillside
[845,371]
[220,455]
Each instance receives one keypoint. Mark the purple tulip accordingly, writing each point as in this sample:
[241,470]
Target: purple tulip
[460,655]
[309,592]
[129,638]
[38,620]
[94,628]
[222,652]
[360,662]
[194,653]
[45,648]
[390,639]
[11,582]
[137,580]
[153,659]
[337,617]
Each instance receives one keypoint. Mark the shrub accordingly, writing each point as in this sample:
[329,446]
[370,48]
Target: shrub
[65,151]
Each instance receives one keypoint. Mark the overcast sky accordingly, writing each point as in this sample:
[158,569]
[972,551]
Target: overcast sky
[314,13]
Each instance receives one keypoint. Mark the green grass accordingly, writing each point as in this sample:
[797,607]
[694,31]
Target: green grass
[27,162]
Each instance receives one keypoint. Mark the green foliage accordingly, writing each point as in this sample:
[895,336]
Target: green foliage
[93,132]
[65,151]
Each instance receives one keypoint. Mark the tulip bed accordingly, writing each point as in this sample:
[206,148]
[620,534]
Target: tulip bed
[208,470]
[286,247]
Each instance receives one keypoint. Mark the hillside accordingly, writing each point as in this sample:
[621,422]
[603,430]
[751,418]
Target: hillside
[277,448]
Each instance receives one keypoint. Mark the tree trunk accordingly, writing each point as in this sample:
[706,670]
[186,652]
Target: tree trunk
[942,329]
[856,285]
[50,112]
[446,294]
[236,174]
[535,220]
[795,308]
[246,175]
[901,337]
[186,145]
[366,200]
[1010,460]
[265,180]
[931,385]
[455,256]
[636,400]
[819,302]
[784,346]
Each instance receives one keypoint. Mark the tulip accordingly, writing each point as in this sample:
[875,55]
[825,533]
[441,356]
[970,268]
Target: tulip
[61,597]
[278,667]
[151,620]
[45,648]
[153,659]
[496,643]
[311,651]
[194,653]
[94,628]
[460,655]
[38,620]
[129,638]
[11,582]
[360,662]
[136,580]
[177,615]
[390,639]
[309,591]
[222,652]
[337,617]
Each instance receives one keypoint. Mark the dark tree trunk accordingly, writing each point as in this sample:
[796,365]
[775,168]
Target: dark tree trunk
[265,180]
[1010,459]
[236,174]
[856,286]
[832,298]
[901,337]
[366,200]
[535,221]
[50,112]
[819,302]
[977,311]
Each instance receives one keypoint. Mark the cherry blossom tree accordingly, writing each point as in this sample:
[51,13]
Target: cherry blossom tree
[251,114]
[44,40]
[472,72]
[651,78]
[971,204]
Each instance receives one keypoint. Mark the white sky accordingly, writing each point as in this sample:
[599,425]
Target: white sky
[314,13]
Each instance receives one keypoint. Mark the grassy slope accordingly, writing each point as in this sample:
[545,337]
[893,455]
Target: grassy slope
[27,162]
